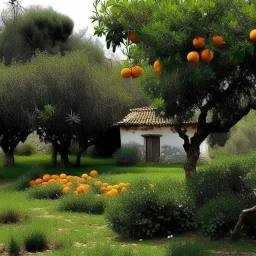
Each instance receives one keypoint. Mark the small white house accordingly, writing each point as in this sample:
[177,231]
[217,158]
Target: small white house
[156,136]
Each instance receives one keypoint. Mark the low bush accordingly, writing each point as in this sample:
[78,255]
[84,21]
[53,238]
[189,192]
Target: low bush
[145,212]
[35,241]
[178,248]
[127,155]
[219,216]
[12,216]
[220,178]
[25,149]
[86,203]
[22,182]
[49,191]
[13,247]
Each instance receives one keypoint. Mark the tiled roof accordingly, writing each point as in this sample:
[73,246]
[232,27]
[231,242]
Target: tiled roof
[145,117]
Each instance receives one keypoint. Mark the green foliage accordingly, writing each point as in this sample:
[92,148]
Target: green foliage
[219,216]
[226,176]
[25,149]
[188,248]
[143,212]
[128,155]
[35,241]
[38,29]
[13,247]
[12,216]
[87,203]
[49,191]
[22,182]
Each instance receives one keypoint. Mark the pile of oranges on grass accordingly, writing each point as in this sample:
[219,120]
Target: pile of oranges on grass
[79,185]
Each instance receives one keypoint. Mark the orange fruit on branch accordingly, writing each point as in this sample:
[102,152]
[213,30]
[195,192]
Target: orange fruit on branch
[198,42]
[253,35]
[207,55]
[156,64]
[193,57]
[218,41]
[126,72]
[136,71]
[133,38]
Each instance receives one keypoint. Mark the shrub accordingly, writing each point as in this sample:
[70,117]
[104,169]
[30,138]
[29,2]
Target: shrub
[74,148]
[87,203]
[11,216]
[220,178]
[25,149]
[49,191]
[127,155]
[35,241]
[178,248]
[92,152]
[217,217]
[143,212]
[13,247]
[22,182]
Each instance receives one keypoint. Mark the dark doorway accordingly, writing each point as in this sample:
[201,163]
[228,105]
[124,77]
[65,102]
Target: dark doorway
[152,148]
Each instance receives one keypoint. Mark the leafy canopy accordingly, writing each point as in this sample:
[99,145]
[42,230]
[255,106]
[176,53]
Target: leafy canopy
[223,90]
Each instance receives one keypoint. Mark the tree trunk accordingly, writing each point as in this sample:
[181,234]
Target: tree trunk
[247,216]
[191,161]
[8,158]
[54,156]
[64,158]
[79,155]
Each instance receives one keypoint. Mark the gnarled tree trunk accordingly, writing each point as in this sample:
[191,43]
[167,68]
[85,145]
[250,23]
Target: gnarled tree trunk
[193,153]
[79,155]
[8,158]
[248,217]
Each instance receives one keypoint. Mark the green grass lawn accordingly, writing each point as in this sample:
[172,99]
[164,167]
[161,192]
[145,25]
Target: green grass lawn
[84,234]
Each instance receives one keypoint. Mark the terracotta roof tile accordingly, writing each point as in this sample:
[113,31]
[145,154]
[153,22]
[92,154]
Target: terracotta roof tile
[145,117]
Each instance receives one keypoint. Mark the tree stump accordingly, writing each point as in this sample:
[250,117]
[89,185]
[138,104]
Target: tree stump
[247,216]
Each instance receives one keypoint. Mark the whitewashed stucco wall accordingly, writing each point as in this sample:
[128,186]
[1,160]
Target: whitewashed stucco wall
[170,142]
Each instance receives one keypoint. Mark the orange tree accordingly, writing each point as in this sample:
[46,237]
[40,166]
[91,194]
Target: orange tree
[206,51]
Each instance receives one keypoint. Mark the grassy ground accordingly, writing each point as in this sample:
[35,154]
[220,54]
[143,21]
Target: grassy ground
[79,233]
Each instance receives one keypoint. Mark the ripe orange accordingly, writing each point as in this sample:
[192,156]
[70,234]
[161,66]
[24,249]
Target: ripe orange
[54,176]
[207,55]
[193,57]
[80,189]
[157,71]
[123,189]
[116,186]
[109,193]
[108,188]
[86,187]
[65,181]
[93,173]
[114,192]
[105,184]
[98,183]
[126,72]
[65,190]
[156,64]
[75,192]
[121,185]
[46,177]
[218,41]
[133,38]
[253,35]
[63,176]
[198,42]
[39,181]
[136,71]
[32,182]
[85,176]
[51,181]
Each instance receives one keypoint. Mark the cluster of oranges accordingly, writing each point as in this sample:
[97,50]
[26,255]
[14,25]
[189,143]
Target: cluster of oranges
[131,72]
[206,55]
[79,185]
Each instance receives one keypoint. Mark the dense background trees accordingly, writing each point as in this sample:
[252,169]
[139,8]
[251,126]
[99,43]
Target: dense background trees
[58,84]
[222,89]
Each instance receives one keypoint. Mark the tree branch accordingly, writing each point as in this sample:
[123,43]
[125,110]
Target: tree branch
[182,133]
